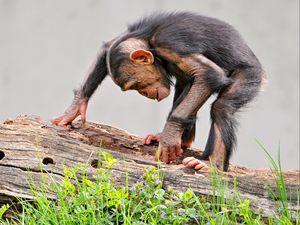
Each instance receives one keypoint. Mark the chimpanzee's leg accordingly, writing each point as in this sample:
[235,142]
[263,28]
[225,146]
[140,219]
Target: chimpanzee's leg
[222,137]
[188,137]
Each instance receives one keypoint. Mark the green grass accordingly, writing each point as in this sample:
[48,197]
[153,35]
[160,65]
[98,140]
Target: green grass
[79,200]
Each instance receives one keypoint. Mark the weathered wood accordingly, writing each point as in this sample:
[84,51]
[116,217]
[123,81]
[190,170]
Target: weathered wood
[26,143]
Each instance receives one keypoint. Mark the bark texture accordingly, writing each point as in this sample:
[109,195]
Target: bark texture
[27,142]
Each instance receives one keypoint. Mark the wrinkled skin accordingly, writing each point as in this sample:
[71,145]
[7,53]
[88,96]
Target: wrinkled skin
[77,108]
[188,161]
[153,138]
[196,164]
[170,142]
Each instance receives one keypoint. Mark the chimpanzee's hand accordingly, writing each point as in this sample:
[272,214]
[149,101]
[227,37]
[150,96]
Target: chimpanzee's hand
[151,138]
[155,138]
[170,142]
[77,108]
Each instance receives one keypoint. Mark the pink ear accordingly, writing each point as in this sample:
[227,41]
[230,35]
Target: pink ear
[142,56]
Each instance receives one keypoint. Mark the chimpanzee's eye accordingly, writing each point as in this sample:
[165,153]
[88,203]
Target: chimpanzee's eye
[135,86]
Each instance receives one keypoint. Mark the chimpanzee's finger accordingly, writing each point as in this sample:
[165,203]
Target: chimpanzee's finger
[164,156]
[172,153]
[186,160]
[201,166]
[178,150]
[193,163]
[56,120]
[83,120]
[83,115]
[148,139]
[145,139]
[64,123]
[157,138]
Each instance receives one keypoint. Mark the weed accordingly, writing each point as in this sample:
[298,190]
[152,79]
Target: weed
[81,200]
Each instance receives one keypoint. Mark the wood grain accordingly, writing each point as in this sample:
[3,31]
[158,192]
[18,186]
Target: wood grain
[27,143]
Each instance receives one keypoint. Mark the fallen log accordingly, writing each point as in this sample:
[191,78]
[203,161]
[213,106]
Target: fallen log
[26,143]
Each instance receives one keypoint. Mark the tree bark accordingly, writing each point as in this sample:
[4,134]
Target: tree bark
[28,144]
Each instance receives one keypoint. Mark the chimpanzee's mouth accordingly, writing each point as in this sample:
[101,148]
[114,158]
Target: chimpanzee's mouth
[157,96]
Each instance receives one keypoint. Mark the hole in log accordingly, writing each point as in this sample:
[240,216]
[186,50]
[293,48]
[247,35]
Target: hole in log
[2,155]
[48,160]
[94,163]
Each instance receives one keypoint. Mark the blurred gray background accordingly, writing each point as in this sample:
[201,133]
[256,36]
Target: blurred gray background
[47,46]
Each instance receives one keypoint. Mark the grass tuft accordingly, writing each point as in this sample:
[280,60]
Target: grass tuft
[80,200]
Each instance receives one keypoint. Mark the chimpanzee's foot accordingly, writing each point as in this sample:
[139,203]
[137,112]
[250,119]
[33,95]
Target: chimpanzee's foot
[196,164]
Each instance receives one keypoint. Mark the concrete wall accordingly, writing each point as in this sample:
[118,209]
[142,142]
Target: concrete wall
[46,47]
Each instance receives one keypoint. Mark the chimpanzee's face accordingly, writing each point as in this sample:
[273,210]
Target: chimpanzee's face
[140,73]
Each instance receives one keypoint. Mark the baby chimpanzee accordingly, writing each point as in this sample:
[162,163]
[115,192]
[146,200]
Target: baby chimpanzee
[204,55]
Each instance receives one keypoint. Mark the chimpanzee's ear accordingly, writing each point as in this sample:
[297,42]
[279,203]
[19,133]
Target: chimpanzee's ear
[142,56]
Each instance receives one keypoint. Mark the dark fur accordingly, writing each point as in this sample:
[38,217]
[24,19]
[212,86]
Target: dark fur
[186,33]
[101,72]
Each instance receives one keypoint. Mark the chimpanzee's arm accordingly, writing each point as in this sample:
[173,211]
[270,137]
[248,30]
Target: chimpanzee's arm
[207,78]
[95,76]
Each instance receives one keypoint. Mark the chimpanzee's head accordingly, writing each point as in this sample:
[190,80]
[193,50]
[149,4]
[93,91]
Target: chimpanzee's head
[134,67]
